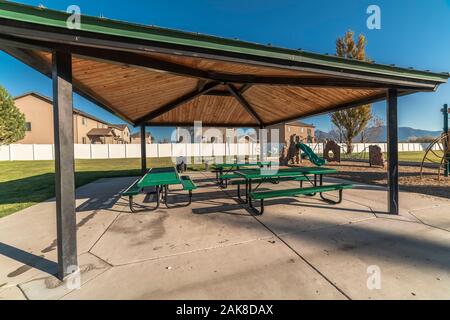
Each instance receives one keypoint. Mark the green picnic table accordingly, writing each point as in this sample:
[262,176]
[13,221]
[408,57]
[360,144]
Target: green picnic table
[160,179]
[230,167]
[261,175]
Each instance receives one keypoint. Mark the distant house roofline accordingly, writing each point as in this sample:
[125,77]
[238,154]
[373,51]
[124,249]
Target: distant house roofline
[138,135]
[101,132]
[120,127]
[300,124]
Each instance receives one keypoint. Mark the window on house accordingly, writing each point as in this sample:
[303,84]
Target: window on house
[27,126]
[309,132]
[83,121]
[303,130]
[83,140]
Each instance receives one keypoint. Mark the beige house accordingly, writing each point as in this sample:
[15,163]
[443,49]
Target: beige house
[123,133]
[136,138]
[38,111]
[304,131]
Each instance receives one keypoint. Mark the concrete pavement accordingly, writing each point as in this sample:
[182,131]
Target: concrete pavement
[301,248]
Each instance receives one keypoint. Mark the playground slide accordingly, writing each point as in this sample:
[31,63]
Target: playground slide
[314,158]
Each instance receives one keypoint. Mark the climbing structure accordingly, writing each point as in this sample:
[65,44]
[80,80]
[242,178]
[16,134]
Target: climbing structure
[438,152]
[440,149]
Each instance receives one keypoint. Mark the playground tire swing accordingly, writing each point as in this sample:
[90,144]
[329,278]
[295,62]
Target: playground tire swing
[442,144]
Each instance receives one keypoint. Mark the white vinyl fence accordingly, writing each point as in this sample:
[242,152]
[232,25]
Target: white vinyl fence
[361,147]
[122,151]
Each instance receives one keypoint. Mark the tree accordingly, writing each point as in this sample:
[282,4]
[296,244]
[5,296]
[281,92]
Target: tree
[374,131]
[12,121]
[351,122]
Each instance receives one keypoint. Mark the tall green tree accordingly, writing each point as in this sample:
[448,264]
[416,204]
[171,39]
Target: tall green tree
[352,122]
[12,121]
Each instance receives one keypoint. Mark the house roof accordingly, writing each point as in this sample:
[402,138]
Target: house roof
[120,127]
[156,76]
[300,124]
[138,135]
[101,132]
[50,101]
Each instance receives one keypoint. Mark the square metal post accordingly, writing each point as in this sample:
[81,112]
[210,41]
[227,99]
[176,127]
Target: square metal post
[143,151]
[64,164]
[446,152]
[392,143]
[262,144]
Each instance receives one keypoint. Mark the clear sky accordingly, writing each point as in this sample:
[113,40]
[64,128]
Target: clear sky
[414,33]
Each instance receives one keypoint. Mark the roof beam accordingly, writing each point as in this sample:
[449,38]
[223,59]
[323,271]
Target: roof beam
[235,93]
[201,84]
[218,93]
[244,88]
[176,103]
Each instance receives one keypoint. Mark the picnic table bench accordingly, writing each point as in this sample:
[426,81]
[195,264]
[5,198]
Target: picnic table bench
[252,176]
[160,179]
[262,195]
[274,180]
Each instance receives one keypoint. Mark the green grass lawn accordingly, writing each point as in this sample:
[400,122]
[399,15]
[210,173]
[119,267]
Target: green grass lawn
[417,156]
[25,183]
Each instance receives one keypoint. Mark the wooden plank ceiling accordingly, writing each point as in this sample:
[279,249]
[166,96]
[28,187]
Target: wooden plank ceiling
[133,92]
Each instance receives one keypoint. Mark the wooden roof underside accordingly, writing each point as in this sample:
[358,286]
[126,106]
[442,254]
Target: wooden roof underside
[133,92]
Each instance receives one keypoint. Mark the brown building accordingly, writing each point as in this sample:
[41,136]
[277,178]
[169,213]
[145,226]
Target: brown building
[136,138]
[297,128]
[122,132]
[87,129]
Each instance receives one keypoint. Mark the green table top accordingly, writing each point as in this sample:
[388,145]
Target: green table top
[160,176]
[241,165]
[288,172]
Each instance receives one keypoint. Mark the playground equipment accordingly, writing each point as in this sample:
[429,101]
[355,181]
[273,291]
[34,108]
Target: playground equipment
[376,157]
[443,144]
[332,152]
[314,158]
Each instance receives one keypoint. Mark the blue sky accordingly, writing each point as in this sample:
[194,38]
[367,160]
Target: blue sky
[414,33]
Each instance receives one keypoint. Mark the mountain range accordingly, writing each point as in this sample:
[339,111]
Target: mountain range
[379,134]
